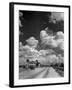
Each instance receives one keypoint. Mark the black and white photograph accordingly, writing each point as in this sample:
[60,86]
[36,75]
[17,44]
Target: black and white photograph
[41,44]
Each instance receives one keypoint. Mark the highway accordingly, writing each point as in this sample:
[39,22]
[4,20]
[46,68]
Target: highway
[45,72]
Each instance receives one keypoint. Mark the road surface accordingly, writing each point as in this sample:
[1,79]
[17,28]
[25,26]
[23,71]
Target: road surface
[45,72]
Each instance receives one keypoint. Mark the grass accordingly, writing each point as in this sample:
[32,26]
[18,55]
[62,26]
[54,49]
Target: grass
[59,68]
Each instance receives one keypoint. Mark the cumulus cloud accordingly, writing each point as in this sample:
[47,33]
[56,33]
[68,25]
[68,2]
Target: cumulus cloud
[46,52]
[56,41]
[43,56]
[20,15]
[60,44]
[59,35]
[57,16]
[32,42]
[47,56]
[47,39]
[50,59]
[20,46]
[30,52]
[20,24]
[43,34]
[60,40]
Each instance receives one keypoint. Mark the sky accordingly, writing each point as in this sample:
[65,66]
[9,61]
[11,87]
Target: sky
[41,35]
[33,22]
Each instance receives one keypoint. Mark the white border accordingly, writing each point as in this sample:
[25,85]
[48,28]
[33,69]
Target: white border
[16,45]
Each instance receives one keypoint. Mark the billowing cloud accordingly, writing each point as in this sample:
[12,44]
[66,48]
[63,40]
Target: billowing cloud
[47,39]
[51,59]
[20,46]
[60,40]
[45,57]
[20,15]
[46,52]
[57,16]
[32,42]
[20,24]
[30,53]
[43,34]
[56,41]
[59,35]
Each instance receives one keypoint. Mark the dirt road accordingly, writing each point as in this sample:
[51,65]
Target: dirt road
[45,72]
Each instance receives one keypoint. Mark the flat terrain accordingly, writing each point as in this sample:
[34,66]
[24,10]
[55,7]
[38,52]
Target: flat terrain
[45,72]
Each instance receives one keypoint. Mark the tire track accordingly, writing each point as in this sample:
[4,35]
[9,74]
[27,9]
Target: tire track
[46,74]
